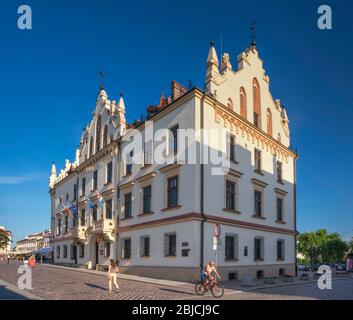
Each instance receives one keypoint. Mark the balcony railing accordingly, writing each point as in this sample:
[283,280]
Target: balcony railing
[100,226]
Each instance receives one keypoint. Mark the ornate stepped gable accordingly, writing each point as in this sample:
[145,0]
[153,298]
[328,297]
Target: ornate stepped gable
[107,124]
[245,91]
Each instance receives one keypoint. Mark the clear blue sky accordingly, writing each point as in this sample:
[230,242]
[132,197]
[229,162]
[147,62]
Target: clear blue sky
[49,84]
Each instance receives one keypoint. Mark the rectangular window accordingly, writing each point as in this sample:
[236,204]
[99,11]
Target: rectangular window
[257,154]
[65,251]
[107,249]
[258,203]
[95,180]
[232,148]
[128,168]
[258,248]
[231,247]
[145,246]
[279,209]
[126,249]
[256,120]
[75,192]
[280,249]
[83,217]
[66,227]
[230,195]
[172,196]
[82,251]
[174,131]
[170,245]
[59,227]
[108,209]
[109,172]
[128,202]
[58,253]
[147,199]
[94,213]
[83,186]
[279,171]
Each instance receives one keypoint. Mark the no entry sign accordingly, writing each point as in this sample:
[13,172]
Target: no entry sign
[217,231]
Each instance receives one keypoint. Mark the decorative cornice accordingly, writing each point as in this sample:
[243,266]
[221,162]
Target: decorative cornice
[170,167]
[257,136]
[146,177]
[259,183]
[280,191]
[235,173]
[127,185]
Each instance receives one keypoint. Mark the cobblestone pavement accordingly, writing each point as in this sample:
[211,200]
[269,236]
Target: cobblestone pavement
[53,283]
[342,289]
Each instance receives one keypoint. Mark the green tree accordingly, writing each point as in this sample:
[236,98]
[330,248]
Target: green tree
[350,244]
[321,247]
[4,239]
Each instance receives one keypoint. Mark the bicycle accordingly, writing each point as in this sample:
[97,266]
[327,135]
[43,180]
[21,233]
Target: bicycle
[216,288]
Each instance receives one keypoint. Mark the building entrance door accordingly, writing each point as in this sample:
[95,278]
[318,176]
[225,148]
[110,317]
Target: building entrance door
[97,253]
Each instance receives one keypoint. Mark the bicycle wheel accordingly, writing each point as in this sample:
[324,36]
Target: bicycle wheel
[217,290]
[199,288]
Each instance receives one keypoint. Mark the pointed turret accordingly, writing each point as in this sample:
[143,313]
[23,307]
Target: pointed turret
[121,104]
[212,73]
[52,178]
[121,116]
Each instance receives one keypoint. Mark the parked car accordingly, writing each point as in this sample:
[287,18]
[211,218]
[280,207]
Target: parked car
[302,267]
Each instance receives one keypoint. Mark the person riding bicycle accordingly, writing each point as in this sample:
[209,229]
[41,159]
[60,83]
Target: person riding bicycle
[207,273]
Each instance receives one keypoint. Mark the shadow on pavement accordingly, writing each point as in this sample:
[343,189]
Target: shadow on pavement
[6,294]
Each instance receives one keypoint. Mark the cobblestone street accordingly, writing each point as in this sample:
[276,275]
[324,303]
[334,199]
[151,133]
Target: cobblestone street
[53,283]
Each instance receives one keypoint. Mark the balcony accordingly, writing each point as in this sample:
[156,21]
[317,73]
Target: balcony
[103,226]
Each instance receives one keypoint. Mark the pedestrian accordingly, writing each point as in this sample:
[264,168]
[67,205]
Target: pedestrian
[113,274]
[8,259]
[349,260]
[32,261]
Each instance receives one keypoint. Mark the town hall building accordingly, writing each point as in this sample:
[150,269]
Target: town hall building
[158,219]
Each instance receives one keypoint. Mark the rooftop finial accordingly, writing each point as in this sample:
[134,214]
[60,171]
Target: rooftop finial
[212,43]
[253,31]
[101,74]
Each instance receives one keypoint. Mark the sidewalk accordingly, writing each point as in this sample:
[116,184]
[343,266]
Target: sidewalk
[125,276]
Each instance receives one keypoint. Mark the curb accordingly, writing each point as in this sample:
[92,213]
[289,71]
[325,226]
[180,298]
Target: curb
[23,293]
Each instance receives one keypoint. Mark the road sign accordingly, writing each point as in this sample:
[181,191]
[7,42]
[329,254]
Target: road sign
[216,243]
[217,231]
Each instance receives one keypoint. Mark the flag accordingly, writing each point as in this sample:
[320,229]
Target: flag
[67,210]
[100,199]
[73,209]
[89,202]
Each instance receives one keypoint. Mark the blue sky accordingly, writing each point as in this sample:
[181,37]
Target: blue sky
[49,82]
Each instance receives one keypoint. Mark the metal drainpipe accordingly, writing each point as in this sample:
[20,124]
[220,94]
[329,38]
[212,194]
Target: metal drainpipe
[117,201]
[295,215]
[202,172]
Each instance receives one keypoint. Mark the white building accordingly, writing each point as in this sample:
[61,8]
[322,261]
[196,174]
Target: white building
[7,249]
[158,219]
[33,242]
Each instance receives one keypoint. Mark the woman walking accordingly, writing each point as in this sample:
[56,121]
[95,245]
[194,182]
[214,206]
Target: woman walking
[113,275]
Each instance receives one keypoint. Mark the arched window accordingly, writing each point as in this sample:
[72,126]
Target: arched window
[269,122]
[243,106]
[230,103]
[256,103]
[98,133]
[91,146]
[105,136]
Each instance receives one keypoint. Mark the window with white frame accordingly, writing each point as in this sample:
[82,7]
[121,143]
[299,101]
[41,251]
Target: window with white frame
[259,248]
[145,246]
[170,244]
[231,246]
[126,249]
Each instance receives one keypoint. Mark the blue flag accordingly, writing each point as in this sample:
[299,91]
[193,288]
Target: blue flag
[89,202]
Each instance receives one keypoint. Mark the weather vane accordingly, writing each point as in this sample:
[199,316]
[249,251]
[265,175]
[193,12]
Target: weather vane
[101,74]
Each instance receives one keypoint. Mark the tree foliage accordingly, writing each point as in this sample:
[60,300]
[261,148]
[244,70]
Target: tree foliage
[321,247]
[4,239]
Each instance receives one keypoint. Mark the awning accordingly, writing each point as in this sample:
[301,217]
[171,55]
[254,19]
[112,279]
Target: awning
[44,251]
